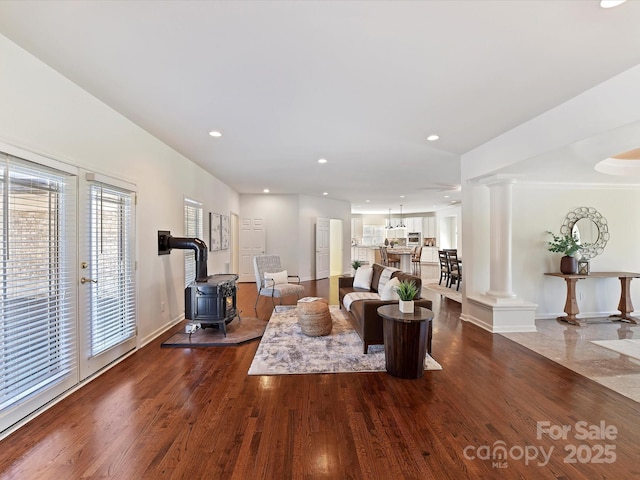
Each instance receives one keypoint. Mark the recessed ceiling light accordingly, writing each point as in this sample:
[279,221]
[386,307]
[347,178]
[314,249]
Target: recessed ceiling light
[322,160]
[401,196]
[447,196]
[325,193]
[367,201]
[433,138]
[266,190]
[215,133]
[611,3]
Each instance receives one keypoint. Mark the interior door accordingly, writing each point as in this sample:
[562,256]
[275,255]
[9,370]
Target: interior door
[323,266]
[107,286]
[252,243]
[234,244]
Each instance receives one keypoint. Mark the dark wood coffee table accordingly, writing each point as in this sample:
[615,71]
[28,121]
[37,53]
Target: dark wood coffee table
[407,339]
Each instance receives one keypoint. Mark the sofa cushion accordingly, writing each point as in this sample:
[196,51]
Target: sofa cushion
[389,292]
[349,298]
[377,271]
[279,278]
[363,277]
[386,275]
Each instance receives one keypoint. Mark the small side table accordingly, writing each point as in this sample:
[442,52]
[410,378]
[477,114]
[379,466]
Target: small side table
[407,339]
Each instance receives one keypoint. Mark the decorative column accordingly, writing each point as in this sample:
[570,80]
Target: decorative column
[500,282]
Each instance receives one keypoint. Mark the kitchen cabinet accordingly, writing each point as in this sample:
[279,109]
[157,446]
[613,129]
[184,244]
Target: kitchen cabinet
[429,227]
[364,254]
[414,224]
[429,255]
[356,228]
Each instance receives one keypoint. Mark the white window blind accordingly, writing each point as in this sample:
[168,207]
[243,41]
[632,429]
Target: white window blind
[37,280]
[112,264]
[193,228]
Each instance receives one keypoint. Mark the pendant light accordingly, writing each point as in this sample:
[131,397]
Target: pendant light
[401,224]
[389,227]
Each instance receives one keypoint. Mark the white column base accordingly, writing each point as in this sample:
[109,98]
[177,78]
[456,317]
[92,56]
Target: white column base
[500,315]
[501,297]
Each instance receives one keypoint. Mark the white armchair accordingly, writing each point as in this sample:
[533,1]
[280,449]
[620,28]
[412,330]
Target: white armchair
[273,281]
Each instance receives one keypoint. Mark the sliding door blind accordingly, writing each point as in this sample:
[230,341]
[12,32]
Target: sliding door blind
[193,228]
[112,301]
[37,279]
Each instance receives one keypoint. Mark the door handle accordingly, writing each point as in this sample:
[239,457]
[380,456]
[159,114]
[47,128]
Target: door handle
[87,280]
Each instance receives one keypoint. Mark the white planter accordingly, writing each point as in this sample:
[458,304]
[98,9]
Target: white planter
[406,306]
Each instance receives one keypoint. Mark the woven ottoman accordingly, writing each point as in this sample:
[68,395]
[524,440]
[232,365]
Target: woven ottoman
[314,317]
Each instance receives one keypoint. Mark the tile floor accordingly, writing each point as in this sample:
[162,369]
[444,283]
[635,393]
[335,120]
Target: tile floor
[570,346]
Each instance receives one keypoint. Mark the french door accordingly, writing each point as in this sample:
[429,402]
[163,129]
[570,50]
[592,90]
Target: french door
[67,278]
[38,321]
[106,274]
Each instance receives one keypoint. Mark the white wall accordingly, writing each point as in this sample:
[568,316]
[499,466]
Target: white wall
[601,115]
[540,208]
[311,208]
[45,113]
[290,227]
[280,216]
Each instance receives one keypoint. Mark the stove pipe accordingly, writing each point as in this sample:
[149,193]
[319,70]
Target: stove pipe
[193,244]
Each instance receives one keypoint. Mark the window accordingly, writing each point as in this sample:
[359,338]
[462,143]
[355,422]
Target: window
[37,281]
[113,312]
[193,228]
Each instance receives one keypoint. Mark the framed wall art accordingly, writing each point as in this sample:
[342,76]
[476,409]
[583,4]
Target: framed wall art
[224,232]
[214,231]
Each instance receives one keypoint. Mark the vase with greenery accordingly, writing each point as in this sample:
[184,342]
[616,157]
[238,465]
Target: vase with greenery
[356,264]
[567,245]
[407,291]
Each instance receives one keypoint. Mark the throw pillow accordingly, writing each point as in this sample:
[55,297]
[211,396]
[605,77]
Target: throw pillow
[390,290]
[278,278]
[363,278]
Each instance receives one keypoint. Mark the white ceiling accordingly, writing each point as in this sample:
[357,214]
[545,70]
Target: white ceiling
[361,84]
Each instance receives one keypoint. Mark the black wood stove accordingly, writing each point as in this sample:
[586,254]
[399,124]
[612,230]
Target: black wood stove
[212,302]
[211,299]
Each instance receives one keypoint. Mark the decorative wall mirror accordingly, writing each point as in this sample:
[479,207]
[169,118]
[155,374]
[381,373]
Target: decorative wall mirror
[589,227]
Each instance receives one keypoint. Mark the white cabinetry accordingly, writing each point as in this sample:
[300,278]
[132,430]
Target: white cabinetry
[364,254]
[429,227]
[429,255]
[356,228]
[414,224]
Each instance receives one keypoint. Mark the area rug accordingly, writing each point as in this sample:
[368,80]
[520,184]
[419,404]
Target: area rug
[238,332]
[285,350]
[450,293]
[628,347]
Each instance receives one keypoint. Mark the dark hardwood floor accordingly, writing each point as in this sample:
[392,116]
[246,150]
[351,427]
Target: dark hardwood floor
[195,414]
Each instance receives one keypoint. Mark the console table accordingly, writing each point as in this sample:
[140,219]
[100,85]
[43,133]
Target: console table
[625,306]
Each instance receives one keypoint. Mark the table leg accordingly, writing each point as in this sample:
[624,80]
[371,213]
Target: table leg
[625,306]
[571,305]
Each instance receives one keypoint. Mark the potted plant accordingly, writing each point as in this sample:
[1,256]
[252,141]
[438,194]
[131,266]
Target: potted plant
[356,264]
[407,291]
[567,245]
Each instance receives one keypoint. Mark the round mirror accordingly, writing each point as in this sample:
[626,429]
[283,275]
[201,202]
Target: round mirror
[589,228]
[585,231]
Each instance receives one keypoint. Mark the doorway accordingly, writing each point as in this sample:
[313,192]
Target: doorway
[335,249]
[448,232]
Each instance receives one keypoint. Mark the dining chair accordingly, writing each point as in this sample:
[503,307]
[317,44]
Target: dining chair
[444,267]
[415,260]
[390,260]
[455,268]
[273,281]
